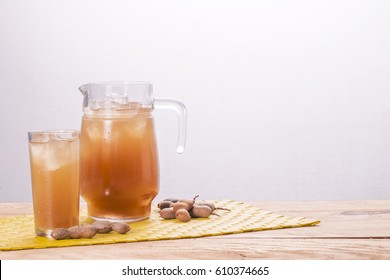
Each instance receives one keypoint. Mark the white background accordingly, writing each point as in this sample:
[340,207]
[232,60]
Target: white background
[287,100]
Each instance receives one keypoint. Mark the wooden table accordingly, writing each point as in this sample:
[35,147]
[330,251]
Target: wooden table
[348,230]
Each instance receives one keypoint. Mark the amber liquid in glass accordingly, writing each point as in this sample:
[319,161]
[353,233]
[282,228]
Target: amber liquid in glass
[119,174]
[55,184]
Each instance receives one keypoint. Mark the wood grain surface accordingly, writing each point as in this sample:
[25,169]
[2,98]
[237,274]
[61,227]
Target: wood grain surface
[348,230]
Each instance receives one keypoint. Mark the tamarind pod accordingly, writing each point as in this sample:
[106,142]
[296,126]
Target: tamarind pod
[167,213]
[208,204]
[182,215]
[173,200]
[201,211]
[181,205]
[164,204]
[103,226]
[59,233]
[121,228]
[189,202]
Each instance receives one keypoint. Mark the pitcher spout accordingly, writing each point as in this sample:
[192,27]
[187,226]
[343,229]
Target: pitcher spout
[84,90]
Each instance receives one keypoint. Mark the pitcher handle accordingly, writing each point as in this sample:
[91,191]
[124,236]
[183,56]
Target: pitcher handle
[173,104]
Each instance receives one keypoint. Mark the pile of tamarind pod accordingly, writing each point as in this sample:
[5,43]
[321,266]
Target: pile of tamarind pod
[185,209]
[89,231]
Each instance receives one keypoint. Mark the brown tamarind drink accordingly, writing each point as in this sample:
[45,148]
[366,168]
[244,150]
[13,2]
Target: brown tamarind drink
[54,162]
[119,172]
[119,163]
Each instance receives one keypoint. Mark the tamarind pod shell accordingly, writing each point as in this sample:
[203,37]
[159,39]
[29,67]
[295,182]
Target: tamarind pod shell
[75,232]
[121,228]
[165,204]
[167,213]
[181,205]
[59,233]
[182,215]
[173,200]
[208,204]
[189,202]
[103,226]
[88,231]
[201,211]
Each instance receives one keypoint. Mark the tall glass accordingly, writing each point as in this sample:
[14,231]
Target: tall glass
[54,162]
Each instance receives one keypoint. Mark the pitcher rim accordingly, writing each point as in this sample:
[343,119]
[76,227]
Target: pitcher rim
[118,83]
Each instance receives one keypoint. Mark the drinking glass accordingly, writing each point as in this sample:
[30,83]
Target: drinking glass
[54,162]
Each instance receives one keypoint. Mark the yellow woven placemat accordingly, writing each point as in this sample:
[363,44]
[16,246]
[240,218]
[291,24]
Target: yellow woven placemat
[17,232]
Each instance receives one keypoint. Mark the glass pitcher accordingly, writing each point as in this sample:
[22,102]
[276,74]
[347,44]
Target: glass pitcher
[119,170]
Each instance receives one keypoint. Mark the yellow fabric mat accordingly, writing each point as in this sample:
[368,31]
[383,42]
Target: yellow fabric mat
[17,232]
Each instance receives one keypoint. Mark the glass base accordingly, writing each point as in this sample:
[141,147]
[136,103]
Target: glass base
[43,233]
[118,220]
